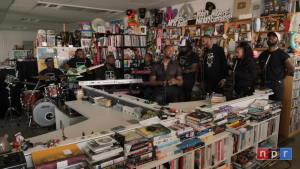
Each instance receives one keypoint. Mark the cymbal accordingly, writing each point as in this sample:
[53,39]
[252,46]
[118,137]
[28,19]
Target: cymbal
[68,76]
[26,83]
[40,77]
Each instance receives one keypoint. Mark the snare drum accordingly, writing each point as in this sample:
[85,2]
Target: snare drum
[26,96]
[53,90]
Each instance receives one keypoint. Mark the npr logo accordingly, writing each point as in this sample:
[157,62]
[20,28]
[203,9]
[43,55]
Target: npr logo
[267,154]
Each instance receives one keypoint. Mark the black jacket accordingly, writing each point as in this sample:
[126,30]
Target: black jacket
[218,69]
[245,76]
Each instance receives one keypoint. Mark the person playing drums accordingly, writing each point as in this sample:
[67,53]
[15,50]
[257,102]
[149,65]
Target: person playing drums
[52,72]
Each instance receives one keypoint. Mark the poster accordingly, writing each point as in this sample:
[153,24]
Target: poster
[42,54]
[72,52]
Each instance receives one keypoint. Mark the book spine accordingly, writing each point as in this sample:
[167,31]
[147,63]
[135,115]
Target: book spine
[158,138]
[95,157]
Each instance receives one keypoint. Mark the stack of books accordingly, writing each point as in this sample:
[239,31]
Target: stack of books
[137,148]
[104,152]
[263,91]
[245,160]
[217,98]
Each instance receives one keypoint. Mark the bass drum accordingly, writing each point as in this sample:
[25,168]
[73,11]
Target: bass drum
[44,112]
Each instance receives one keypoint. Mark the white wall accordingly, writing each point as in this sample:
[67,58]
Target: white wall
[9,38]
[200,4]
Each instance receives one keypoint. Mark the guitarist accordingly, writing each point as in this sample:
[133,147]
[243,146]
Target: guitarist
[78,60]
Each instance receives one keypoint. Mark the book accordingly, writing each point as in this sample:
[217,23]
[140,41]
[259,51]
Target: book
[199,116]
[260,104]
[160,130]
[263,91]
[130,135]
[95,147]
[256,112]
[103,154]
[105,140]
[240,110]
[50,157]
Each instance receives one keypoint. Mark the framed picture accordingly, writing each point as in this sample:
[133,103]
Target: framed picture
[241,7]
[86,42]
[232,29]
[136,30]
[143,30]
[130,30]
[101,29]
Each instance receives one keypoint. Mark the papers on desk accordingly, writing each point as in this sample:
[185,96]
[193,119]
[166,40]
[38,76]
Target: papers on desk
[156,120]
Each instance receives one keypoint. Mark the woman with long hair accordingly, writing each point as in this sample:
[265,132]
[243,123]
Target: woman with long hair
[244,70]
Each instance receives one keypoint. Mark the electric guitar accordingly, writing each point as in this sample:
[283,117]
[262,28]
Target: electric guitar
[80,70]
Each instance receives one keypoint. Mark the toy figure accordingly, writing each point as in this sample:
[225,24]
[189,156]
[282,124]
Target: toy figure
[16,145]
[131,18]
[259,41]
[51,143]
[121,29]
[187,32]
[19,137]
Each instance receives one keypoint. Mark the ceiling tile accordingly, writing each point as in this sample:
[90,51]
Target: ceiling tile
[29,3]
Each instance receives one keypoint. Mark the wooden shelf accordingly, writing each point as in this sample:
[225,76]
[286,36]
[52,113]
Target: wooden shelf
[272,16]
[296,88]
[295,132]
[212,23]
[294,114]
[261,49]
[270,31]
[173,39]
[216,36]
[240,20]
[243,41]
[238,33]
[296,97]
[296,106]
[297,68]
[296,79]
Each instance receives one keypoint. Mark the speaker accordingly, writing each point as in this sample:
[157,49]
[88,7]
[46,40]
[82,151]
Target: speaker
[142,12]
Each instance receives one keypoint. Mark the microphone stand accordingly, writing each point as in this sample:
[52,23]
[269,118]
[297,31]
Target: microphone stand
[148,100]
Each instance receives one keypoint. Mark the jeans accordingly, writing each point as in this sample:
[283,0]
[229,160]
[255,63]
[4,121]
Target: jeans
[186,88]
[170,94]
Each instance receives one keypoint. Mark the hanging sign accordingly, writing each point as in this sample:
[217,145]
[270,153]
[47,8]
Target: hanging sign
[217,15]
[179,21]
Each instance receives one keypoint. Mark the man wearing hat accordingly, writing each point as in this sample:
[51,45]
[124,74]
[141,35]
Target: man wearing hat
[50,71]
[188,61]
[275,65]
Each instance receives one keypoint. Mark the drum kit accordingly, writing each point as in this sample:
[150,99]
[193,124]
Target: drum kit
[38,107]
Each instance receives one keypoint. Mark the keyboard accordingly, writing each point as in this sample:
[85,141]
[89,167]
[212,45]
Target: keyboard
[141,72]
[123,91]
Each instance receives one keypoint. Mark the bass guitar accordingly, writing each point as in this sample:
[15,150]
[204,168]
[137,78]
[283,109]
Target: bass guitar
[80,70]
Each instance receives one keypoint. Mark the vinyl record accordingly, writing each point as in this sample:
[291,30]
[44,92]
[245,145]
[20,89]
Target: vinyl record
[105,140]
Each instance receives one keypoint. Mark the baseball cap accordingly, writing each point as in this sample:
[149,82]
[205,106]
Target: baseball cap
[276,34]
[48,59]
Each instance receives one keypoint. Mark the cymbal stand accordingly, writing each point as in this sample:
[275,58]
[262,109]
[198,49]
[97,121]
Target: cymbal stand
[9,110]
[29,116]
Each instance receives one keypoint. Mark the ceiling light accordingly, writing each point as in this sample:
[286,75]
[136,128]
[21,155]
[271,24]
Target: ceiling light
[48,4]
[30,20]
[16,27]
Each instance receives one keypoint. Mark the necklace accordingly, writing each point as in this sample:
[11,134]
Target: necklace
[110,69]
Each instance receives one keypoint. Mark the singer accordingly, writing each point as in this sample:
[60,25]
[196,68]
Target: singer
[166,76]
[244,70]
[275,65]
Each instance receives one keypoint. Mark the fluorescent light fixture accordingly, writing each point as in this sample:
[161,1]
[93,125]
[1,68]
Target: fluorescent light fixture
[75,6]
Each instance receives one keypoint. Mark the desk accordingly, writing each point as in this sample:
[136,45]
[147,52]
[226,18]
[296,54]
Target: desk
[63,117]
[89,110]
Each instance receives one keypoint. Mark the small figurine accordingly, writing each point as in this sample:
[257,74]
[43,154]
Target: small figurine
[259,41]
[16,145]
[19,137]
[187,32]
[51,143]
[121,29]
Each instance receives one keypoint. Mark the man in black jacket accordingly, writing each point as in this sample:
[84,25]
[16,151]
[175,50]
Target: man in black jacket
[214,68]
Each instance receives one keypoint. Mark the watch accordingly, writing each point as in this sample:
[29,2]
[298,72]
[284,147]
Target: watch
[224,80]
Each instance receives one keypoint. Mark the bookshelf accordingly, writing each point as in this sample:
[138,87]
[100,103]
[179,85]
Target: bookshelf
[290,122]
[121,42]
